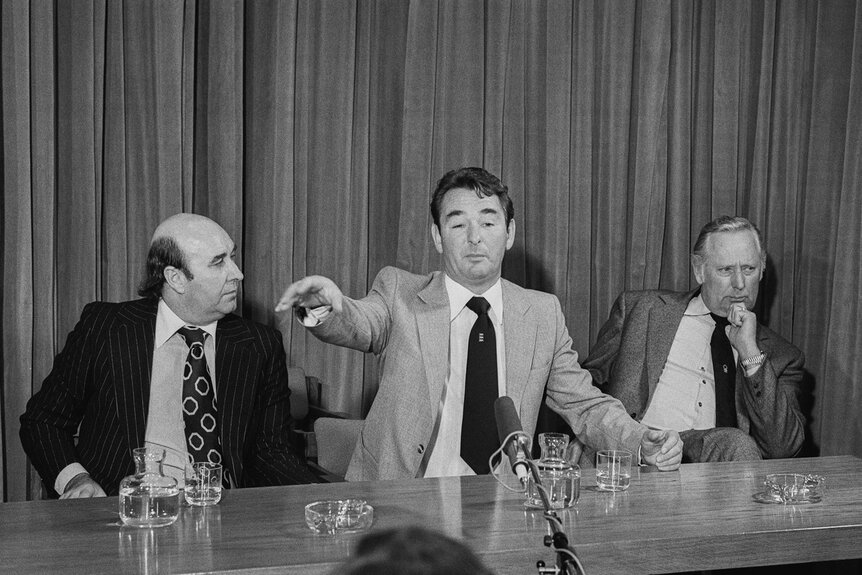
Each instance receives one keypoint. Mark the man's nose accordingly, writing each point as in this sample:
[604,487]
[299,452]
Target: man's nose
[235,272]
[738,280]
[474,235]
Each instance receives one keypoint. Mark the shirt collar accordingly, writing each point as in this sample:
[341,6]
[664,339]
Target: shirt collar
[696,307]
[459,296]
[167,324]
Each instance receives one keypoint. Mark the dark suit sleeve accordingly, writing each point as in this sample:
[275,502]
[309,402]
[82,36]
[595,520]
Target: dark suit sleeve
[601,360]
[272,461]
[772,397]
[51,420]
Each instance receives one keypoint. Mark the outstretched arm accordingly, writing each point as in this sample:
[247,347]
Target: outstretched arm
[358,324]
[311,292]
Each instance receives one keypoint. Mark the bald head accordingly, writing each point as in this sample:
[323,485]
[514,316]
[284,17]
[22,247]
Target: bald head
[181,227]
[191,265]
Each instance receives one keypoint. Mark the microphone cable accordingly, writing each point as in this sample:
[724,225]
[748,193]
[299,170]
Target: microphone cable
[557,540]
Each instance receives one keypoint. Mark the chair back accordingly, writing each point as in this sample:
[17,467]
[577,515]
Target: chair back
[336,439]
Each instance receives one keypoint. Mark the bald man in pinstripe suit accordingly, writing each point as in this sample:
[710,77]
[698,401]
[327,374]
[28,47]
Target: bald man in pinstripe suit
[117,384]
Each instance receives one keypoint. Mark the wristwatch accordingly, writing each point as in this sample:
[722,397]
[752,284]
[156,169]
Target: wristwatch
[753,360]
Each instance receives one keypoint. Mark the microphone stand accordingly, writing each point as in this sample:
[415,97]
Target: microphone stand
[567,561]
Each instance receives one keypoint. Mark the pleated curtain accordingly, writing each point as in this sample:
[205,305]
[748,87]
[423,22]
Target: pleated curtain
[315,130]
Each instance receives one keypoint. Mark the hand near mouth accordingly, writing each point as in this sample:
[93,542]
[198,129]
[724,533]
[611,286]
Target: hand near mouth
[742,330]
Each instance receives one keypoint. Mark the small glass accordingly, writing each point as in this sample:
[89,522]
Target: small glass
[613,470]
[203,483]
[149,498]
[794,488]
[561,479]
[339,516]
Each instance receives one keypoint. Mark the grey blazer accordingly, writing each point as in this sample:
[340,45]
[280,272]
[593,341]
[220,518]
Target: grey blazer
[404,319]
[632,348]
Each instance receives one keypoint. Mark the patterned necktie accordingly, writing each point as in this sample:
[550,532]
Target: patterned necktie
[478,429]
[199,405]
[724,371]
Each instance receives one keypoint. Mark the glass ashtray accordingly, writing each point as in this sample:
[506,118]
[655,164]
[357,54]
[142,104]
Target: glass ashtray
[792,489]
[339,516]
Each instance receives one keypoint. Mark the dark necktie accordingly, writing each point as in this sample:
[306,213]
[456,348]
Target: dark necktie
[478,429]
[724,370]
[199,405]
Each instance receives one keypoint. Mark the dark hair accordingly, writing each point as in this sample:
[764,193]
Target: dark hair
[481,181]
[164,252]
[726,224]
[411,551]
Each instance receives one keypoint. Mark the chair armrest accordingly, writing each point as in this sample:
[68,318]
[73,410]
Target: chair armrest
[315,412]
[324,475]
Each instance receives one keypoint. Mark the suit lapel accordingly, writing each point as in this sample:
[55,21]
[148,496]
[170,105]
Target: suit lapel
[131,354]
[663,322]
[236,362]
[432,322]
[519,330]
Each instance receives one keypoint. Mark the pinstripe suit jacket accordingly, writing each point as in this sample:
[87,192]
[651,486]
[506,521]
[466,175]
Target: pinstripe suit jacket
[101,382]
[632,348]
[405,320]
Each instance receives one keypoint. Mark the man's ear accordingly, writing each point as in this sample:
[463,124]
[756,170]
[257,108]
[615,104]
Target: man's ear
[697,267]
[438,240]
[510,234]
[175,279]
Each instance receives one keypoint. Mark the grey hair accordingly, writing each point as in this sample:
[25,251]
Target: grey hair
[725,224]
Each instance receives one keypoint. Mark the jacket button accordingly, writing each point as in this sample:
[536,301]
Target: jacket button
[421,449]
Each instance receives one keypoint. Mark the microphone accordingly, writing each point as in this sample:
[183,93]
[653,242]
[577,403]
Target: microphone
[509,428]
[517,445]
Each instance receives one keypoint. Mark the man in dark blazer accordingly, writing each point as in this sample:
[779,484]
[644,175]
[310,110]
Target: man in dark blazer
[118,383]
[419,326]
[654,354]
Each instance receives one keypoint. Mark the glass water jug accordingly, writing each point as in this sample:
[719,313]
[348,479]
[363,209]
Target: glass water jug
[561,478]
[149,498]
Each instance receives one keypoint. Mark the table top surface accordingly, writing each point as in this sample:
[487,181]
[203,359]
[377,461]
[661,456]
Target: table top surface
[703,516]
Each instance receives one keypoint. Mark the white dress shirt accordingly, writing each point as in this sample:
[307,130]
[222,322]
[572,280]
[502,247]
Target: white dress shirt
[443,457]
[684,397]
[165,421]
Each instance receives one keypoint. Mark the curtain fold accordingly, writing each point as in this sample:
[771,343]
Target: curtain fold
[839,388]
[314,132]
[831,268]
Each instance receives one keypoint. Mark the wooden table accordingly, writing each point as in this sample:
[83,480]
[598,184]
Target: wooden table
[700,517]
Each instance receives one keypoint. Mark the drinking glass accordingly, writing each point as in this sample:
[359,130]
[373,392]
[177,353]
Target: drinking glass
[203,483]
[613,470]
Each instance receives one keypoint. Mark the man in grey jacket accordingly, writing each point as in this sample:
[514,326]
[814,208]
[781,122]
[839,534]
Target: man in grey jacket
[424,421]
[657,354]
